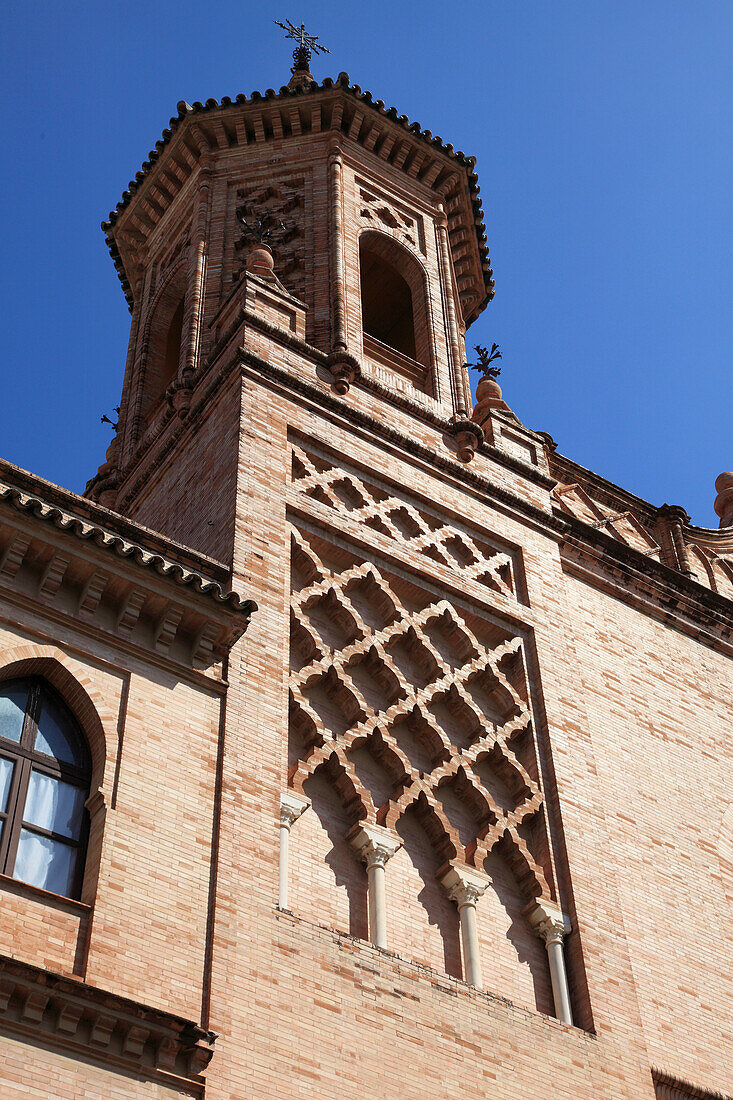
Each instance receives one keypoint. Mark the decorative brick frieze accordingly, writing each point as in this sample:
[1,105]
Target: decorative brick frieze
[390,216]
[280,201]
[354,496]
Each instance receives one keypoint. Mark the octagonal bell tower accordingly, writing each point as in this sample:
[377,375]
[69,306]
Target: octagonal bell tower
[313,226]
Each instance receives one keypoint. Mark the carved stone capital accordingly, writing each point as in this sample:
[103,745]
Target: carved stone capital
[373,844]
[549,922]
[463,885]
[292,805]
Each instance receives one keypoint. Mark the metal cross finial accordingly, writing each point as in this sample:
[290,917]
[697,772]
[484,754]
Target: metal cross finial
[307,44]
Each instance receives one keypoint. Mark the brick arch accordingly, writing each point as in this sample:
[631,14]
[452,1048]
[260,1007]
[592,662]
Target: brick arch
[82,696]
[153,377]
[409,266]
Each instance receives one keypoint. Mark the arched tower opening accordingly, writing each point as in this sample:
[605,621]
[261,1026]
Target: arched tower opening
[394,314]
[165,342]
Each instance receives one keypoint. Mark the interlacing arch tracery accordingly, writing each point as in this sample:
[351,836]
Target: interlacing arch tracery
[713,570]
[432,704]
[366,503]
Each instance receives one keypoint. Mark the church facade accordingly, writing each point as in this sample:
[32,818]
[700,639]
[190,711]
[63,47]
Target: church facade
[352,739]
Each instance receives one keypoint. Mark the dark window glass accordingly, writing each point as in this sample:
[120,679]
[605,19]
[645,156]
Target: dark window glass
[55,737]
[44,782]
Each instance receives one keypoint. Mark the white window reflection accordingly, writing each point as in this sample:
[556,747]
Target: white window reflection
[6,774]
[46,863]
[54,805]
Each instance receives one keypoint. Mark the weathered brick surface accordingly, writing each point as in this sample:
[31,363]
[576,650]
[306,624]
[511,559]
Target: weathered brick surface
[192,499]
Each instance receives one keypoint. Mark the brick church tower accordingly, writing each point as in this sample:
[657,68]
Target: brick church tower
[452,818]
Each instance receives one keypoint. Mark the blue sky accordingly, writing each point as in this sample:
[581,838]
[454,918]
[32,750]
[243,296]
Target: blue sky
[602,131]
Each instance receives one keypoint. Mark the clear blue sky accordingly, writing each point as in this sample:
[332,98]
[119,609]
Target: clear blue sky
[602,130]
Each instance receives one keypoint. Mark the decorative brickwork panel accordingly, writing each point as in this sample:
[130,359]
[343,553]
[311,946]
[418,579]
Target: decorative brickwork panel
[408,704]
[281,203]
[713,570]
[422,531]
[383,213]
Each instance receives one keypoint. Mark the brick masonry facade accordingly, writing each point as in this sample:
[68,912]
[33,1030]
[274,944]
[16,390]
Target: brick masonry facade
[512,668]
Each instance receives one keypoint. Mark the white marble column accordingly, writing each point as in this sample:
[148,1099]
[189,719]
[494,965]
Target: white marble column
[375,846]
[465,885]
[292,805]
[552,926]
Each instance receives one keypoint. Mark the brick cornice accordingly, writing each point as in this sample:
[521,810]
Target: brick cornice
[121,1034]
[651,586]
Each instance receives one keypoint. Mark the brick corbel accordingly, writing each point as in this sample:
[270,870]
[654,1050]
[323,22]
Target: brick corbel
[344,368]
[90,1023]
[179,394]
[468,436]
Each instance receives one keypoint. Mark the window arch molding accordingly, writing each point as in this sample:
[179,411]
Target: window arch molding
[95,720]
[391,251]
[156,373]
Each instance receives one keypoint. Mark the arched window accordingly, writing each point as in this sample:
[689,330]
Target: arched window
[45,771]
[173,344]
[394,315]
[165,340]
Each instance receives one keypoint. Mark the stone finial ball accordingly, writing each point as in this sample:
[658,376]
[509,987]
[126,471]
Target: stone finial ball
[724,499]
[488,389]
[260,261]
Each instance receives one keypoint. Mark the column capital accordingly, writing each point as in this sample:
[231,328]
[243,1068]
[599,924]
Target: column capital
[463,884]
[292,805]
[373,844]
[548,921]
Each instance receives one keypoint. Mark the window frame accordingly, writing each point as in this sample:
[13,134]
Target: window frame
[26,759]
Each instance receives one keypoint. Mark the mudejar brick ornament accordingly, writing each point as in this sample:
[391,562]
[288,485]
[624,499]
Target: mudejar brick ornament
[353,740]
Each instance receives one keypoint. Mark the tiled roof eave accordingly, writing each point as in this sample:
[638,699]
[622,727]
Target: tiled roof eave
[185,111]
[125,548]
